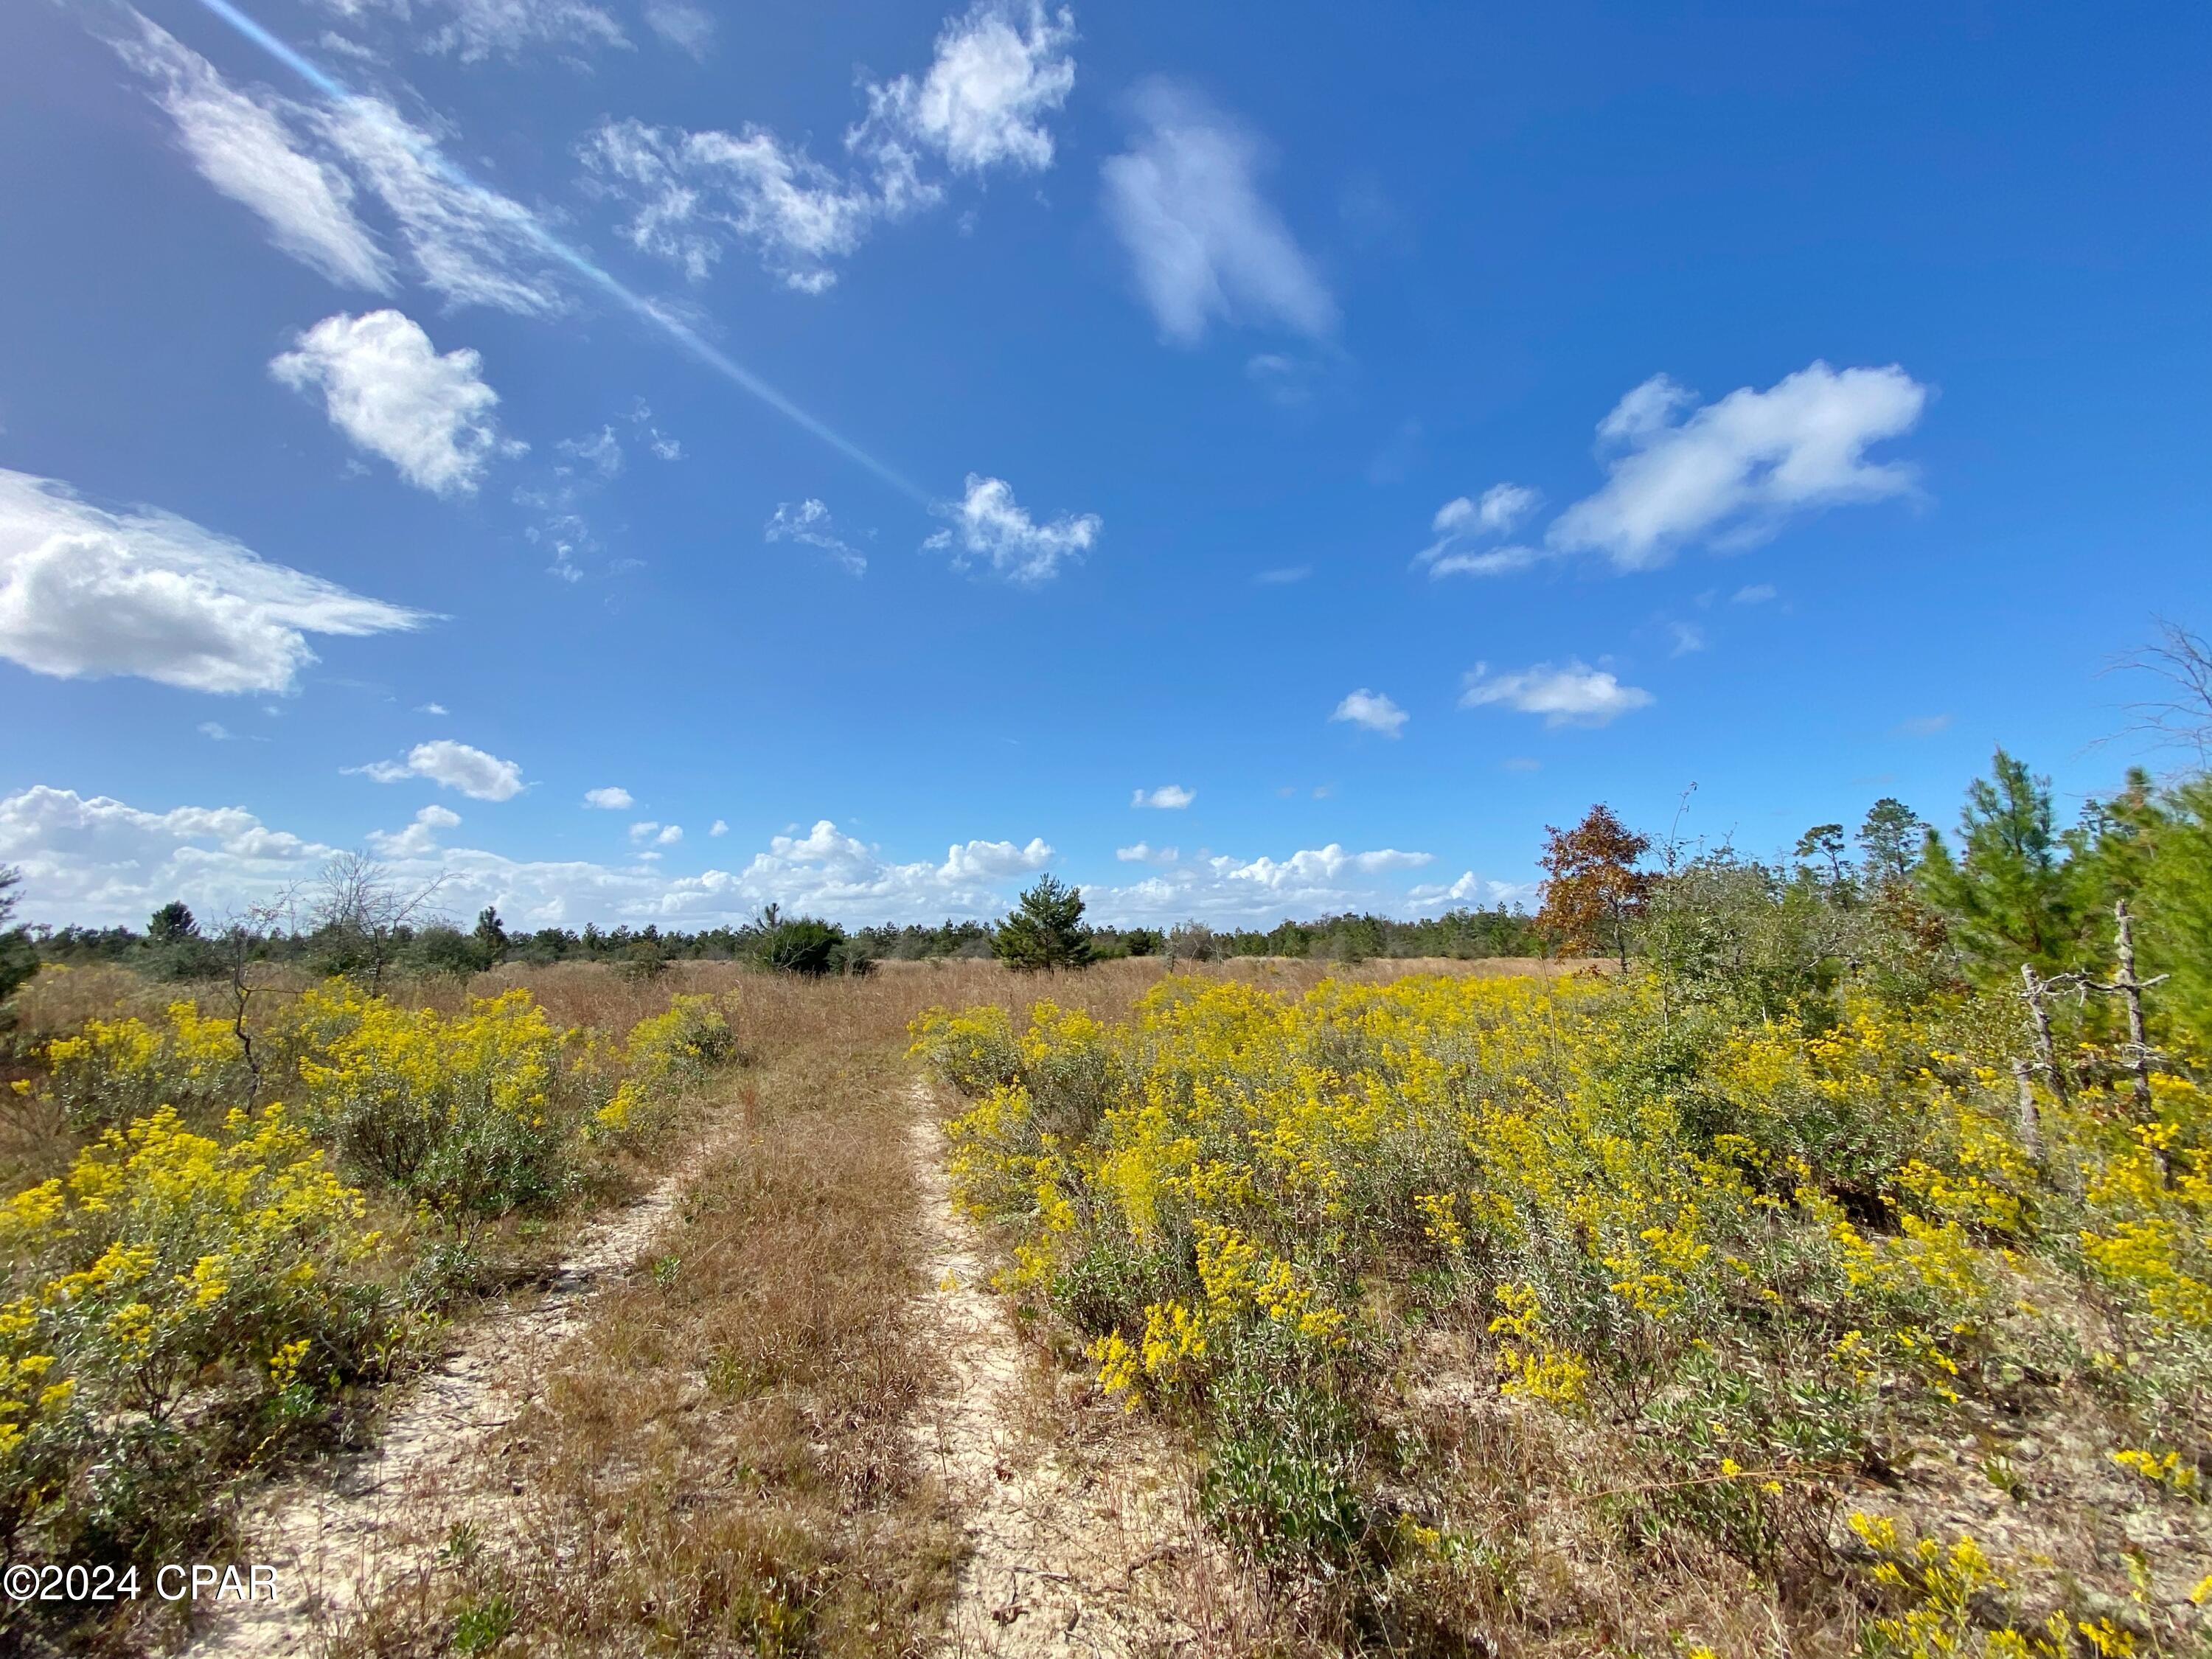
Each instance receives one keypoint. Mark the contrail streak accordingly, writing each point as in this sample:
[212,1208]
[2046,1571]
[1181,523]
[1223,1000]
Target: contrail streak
[699,348]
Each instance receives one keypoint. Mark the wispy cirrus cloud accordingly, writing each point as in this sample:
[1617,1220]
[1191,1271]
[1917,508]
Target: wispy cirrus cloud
[810,524]
[1204,244]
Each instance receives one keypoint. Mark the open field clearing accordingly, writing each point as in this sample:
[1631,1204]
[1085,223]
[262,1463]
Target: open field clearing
[1408,1307]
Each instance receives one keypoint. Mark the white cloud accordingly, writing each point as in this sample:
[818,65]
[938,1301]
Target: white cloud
[1169,796]
[669,835]
[828,874]
[469,242]
[86,593]
[1733,471]
[613,798]
[1503,506]
[990,525]
[993,860]
[1144,852]
[101,862]
[722,828]
[1462,525]
[430,708]
[1373,711]
[387,388]
[601,451]
[999,69]
[1284,575]
[1757,594]
[1241,891]
[452,766]
[809,523]
[1687,637]
[1205,244]
[1471,888]
[1575,695]
[419,839]
[244,149]
[1925,726]
[645,831]
[690,193]
[663,446]
[477,29]
[301,168]
[687,27]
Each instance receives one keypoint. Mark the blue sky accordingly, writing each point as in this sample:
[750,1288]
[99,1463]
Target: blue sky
[1250,462]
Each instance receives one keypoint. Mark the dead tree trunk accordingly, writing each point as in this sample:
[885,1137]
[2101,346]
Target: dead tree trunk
[2131,988]
[2024,1117]
[2036,992]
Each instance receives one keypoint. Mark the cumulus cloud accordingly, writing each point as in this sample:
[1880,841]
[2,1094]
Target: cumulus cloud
[98,861]
[101,862]
[86,593]
[387,388]
[808,524]
[613,798]
[301,167]
[828,874]
[1756,593]
[451,766]
[999,69]
[244,149]
[1236,891]
[1575,695]
[1170,797]
[419,839]
[1732,471]
[722,828]
[1464,532]
[1372,711]
[1471,888]
[990,527]
[1204,243]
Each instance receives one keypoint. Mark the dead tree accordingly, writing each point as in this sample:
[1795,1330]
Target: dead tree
[2130,985]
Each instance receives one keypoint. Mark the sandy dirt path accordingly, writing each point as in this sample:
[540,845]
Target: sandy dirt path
[1082,1534]
[336,1535]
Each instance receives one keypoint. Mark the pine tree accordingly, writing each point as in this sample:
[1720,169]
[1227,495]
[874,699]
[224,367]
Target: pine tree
[19,958]
[1046,930]
[2010,895]
[1890,838]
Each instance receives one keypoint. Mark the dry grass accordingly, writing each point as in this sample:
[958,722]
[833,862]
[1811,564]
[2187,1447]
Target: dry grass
[720,1461]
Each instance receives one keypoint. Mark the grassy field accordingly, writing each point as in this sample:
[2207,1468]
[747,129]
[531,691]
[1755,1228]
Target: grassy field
[1411,1308]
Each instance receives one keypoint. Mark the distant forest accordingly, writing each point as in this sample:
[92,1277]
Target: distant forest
[174,945]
